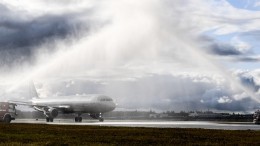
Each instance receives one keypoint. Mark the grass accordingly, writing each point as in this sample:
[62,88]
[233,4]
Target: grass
[43,134]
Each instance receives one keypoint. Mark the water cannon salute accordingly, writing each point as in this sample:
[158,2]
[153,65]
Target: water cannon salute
[85,56]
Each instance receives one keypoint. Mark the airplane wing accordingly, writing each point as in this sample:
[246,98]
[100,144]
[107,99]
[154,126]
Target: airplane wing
[38,105]
[20,102]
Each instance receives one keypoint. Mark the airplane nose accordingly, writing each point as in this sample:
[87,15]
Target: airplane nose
[113,106]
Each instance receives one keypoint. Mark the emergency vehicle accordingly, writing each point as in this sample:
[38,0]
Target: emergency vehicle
[7,112]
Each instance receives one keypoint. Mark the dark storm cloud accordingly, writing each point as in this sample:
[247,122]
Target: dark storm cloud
[31,33]
[224,49]
[246,59]
[19,36]
[249,81]
[215,47]
[239,105]
[234,53]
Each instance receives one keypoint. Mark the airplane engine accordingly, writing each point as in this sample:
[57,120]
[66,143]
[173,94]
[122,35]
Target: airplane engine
[52,112]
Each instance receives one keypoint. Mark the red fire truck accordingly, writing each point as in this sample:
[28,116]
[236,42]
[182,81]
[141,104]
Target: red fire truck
[7,112]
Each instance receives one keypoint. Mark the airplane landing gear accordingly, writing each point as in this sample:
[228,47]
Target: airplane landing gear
[48,119]
[101,119]
[78,118]
[97,116]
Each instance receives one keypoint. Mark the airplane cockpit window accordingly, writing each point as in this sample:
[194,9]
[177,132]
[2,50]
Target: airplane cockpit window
[105,99]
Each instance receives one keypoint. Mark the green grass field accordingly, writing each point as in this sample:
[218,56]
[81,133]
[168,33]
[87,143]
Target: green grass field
[42,134]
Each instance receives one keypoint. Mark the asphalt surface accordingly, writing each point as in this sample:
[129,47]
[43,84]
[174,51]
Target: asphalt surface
[150,123]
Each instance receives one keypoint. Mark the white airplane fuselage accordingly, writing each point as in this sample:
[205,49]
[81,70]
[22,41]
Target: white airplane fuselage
[78,104]
[94,105]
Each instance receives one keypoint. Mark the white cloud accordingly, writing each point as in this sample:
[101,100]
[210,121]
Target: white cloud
[241,96]
[224,99]
[257,4]
[240,45]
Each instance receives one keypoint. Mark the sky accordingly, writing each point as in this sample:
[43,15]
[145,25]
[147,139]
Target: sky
[149,55]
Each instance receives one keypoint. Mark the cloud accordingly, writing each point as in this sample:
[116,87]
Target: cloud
[248,79]
[224,99]
[254,34]
[246,59]
[257,4]
[21,37]
[234,48]
[225,49]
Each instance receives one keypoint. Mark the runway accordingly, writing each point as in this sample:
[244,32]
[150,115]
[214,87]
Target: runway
[149,123]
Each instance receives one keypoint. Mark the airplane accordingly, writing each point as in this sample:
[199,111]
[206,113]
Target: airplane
[93,104]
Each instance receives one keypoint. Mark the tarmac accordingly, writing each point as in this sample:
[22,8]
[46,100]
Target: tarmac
[149,123]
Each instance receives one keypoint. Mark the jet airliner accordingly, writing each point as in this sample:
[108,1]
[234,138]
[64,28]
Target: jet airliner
[51,107]
[94,105]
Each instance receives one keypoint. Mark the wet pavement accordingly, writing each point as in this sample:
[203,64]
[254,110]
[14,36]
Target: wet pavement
[149,123]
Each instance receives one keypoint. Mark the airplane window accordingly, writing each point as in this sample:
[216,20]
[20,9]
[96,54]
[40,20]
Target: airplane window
[105,99]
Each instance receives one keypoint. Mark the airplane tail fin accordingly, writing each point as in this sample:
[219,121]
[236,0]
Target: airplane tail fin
[32,90]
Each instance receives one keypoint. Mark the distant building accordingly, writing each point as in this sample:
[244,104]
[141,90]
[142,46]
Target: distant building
[162,115]
[154,116]
[207,114]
